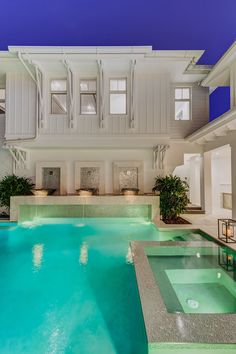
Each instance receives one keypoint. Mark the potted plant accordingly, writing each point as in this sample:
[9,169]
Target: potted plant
[173,198]
[13,185]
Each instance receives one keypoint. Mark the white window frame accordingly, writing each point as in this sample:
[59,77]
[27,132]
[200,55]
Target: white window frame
[88,93]
[189,100]
[59,93]
[3,100]
[118,92]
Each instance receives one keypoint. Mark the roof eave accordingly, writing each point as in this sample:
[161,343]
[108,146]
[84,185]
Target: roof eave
[221,65]
[218,127]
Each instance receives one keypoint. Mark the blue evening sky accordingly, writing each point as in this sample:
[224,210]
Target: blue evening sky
[164,24]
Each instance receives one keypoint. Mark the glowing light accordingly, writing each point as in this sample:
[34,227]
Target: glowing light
[193,304]
[83,258]
[80,225]
[227,230]
[218,275]
[146,223]
[37,251]
[28,224]
[198,255]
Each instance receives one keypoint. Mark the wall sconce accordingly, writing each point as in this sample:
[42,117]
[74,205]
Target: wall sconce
[226,230]
[226,259]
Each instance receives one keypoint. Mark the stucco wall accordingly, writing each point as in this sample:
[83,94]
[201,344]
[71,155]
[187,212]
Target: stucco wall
[174,157]
[230,139]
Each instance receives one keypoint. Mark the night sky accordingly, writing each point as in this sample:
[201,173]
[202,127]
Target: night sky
[164,24]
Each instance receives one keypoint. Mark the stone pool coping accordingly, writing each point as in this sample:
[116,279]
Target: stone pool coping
[172,328]
[211,232]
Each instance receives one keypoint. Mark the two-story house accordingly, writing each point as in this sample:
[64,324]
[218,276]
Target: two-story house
[111,116]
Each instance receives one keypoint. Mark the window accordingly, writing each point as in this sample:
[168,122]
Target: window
[118,96]
[2,101]
[182,103]
[88,96]
[59,96]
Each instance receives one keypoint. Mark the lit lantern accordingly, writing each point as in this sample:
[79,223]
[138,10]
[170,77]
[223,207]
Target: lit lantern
[226,260]
[226,230]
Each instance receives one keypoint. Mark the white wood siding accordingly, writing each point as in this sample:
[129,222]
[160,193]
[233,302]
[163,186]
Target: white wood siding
[200,113]
[20,105]
[153,107]
[2,127]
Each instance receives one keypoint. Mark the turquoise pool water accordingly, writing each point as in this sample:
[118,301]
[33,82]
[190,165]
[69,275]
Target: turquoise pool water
[70,287]
[195,279]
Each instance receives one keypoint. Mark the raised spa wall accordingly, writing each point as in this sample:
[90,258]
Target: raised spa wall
[178,333]
[26,208]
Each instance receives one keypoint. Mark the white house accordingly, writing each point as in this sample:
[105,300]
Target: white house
[112,116]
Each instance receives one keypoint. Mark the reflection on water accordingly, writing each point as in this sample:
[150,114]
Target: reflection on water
[28,224]
[80,225]
[53,341]
[83,258]
[37,252]
[129,256]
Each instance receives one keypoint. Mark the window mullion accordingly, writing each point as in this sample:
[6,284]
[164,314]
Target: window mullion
[88,99]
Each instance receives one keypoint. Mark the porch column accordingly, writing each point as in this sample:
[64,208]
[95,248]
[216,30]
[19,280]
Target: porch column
[202,187]
[233,177]
[233,86]
[208,182]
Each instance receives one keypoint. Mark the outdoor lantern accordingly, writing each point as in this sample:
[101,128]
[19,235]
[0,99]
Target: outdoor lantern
[226,230]
[226,259]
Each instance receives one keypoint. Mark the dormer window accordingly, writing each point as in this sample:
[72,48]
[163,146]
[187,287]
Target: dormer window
[59,96]
[2,101]
[182,103]
[88,96]
[118,96]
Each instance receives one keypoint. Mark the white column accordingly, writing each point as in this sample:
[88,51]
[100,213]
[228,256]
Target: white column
[233,177]
[101,94]
[233,85]
[208,182]
[202,187]
[132,94]
[70,85]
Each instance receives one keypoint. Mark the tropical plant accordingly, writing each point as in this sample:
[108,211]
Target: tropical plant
[13,185]
[173,196]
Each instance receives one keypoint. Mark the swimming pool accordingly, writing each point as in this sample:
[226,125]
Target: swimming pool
[69,287]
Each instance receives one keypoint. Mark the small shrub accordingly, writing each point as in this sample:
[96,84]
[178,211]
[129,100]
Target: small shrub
[173,196]
[12,186]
